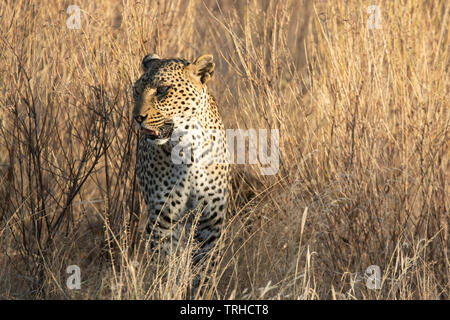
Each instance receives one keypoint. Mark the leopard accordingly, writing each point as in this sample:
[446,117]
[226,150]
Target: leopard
[181,162]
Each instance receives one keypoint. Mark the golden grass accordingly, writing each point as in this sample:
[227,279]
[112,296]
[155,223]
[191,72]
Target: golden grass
[364,131]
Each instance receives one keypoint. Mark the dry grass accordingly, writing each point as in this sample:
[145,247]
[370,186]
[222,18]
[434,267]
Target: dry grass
[364,131]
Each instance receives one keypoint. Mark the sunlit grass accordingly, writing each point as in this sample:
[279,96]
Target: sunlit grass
[364,130]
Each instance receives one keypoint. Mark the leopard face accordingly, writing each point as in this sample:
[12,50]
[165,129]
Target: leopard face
[170,91]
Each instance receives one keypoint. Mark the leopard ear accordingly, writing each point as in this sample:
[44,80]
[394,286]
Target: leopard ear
[202,68]
[148,60]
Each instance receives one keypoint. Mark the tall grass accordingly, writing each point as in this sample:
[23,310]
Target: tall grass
[364,128]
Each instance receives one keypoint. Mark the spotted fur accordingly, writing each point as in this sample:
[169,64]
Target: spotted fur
[172,109]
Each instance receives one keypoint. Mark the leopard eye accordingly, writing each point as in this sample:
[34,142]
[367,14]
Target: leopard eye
[135,92]
[162,91]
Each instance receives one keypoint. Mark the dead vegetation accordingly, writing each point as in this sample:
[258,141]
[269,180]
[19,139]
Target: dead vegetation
[364,128]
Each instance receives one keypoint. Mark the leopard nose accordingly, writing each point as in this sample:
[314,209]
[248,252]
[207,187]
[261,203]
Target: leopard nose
[139,119]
